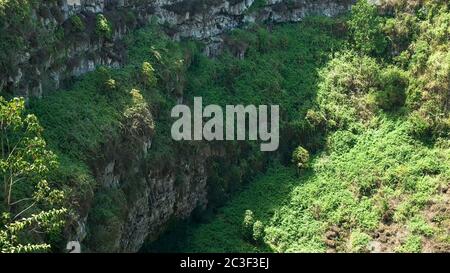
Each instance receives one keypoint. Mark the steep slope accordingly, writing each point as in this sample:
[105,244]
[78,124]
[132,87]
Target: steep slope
[110,127]
[381,192]
[380,181]
[364,106]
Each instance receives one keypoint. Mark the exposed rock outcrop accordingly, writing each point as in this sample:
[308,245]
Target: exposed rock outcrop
[155,194]
[76,46]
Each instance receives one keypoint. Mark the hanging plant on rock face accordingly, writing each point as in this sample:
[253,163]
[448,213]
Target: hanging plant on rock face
[102,27]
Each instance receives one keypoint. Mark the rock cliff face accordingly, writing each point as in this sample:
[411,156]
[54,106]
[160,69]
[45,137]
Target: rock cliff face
[155,194]
[74,45]
[77,44]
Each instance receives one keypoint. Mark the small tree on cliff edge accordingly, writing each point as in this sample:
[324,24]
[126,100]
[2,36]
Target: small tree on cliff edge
[29,208]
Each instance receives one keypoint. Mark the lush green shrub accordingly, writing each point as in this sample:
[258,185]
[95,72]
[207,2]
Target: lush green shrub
[341,141]
[103,27]
[300,157]
[419,126]
[315,118]
[394,83]
[401,31]
[110,85]
[77,24]
[247,224]
[138,118]
[348,84]
[258,232]
[429,59]
[148,74]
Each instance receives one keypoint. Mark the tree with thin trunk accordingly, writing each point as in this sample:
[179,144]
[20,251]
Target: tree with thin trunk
[30,207]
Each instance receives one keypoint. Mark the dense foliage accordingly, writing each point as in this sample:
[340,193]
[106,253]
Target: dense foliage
[30,206]
[106,105]
[364,158]
[380,181]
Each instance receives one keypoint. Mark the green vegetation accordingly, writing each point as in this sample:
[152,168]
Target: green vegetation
[77,24]
[358,241]
[300,157]
[363,163]
[280,67]
[103,27]
[13,41]
[412,244]
[381,169]
[247,224]
[30,205]
[366,29]
[106,105]
[375,183]
[148,74]
[258,231]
